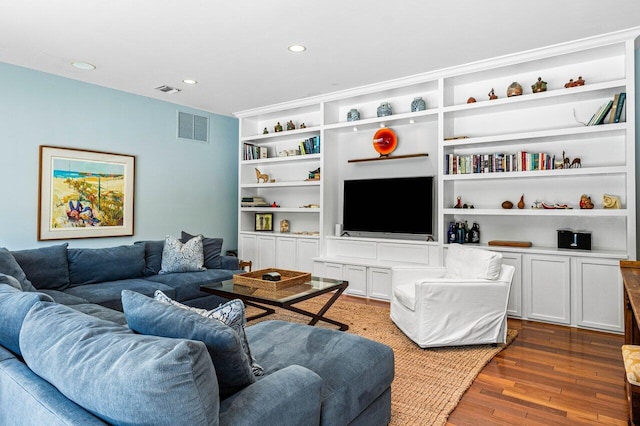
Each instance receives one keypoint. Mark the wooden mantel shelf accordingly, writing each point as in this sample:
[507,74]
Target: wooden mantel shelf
[396,157]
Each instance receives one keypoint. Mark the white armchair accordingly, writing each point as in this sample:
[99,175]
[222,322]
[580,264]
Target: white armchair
[462,303]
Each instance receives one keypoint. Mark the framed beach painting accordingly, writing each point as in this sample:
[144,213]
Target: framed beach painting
[84,194]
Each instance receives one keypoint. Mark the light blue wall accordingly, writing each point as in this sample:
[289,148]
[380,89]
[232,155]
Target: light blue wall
[180,185]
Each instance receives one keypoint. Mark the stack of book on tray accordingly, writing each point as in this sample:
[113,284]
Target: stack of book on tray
[614,107]
[253,202]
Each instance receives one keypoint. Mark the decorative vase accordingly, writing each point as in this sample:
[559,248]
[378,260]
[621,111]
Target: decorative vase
[384,109]
[514,89]
[418,104]
[353,115]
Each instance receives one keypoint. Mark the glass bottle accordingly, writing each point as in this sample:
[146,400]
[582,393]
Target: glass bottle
[475,233]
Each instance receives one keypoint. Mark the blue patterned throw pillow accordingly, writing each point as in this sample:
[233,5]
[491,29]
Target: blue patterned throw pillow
[179,257]
[230,313]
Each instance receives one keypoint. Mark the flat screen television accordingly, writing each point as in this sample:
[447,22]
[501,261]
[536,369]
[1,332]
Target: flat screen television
[401,205]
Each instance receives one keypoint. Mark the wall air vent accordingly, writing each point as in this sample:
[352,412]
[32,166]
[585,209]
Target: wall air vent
[194,127]
[167,89]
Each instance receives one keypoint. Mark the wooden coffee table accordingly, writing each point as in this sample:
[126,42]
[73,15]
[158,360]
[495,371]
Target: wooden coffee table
[284,298]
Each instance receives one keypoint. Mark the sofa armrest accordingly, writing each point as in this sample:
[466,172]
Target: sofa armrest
[229,262]
[291,396]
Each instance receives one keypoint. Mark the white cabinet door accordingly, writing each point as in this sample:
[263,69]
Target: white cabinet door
[599,301]
[266,246]
[357,277]
[379,282]
[247,248]
[333,271]
[514,308]
[286,253]
[547,284]
[306,249]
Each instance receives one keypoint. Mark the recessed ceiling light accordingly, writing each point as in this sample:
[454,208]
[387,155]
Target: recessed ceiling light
[189,81]
[297,48]
[83,65]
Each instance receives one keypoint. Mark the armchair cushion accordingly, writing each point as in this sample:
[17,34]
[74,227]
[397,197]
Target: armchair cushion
[472,263]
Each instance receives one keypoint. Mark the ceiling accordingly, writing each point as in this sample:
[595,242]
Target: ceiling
[237,50]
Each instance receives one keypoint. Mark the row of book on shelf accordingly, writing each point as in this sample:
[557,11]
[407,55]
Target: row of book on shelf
[498,162]
[307,146]
[613,107]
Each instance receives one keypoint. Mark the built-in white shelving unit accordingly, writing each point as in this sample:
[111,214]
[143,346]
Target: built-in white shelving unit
[574,287]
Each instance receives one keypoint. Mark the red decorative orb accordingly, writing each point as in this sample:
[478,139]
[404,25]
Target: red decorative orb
[385,141]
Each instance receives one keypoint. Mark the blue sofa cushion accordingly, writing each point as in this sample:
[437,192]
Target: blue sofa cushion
[212,248]
[14,305]
[11,281]
[148,316]
[355,371]
[90,266]
[10,266]
[109,294]
[187,284]
[45,267]
[152,256]
[119,376]
[231,313]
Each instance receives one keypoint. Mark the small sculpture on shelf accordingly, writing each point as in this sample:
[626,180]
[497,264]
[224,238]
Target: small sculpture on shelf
[539,86]
[303,126]
[262,176]
[314,174]
[278,127]
[521,202]
[578,82]
[471,100]
[353,115]
[265,131]
[284,226]
[418,104]
[576,163]
[458,203]
[492,95]
[507,205]
[384,109]
[585,202]
[290,125]
[611,202]
[514,89]
[274,204]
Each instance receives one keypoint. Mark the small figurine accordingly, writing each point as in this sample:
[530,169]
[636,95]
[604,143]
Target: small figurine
[539,86]
[290,125]
[514,89]
[284,226]
[471,100]
[274,204]
[262,176]
[265,131]
[521,202]
[575,163]
[492,95]
[278,127]
[610,202]
[459,203]
[303,126]
[566,163]
[585,202]
[578,82]
[537,205]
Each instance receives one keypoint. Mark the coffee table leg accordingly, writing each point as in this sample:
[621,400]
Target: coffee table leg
[320,315]
[267,311]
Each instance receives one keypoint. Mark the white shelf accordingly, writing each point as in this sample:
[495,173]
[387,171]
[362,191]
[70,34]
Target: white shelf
[281,160]
[281,135]
[577,212]
[580,171]
[291,184]
[280,209]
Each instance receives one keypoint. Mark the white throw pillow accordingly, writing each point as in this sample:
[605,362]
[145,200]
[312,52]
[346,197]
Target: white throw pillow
[230,313]
[472,263]
[179,257]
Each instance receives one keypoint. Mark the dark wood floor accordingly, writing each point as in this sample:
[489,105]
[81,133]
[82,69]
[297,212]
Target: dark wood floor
[549,375]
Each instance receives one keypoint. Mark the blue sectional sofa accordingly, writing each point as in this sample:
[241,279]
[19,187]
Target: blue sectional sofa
[70,356]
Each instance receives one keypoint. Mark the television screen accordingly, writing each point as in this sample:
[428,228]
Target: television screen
[390,205]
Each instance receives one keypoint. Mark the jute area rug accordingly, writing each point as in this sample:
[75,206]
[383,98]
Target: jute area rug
[428,383]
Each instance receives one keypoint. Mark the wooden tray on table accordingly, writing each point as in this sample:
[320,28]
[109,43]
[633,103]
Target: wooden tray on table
[288,279]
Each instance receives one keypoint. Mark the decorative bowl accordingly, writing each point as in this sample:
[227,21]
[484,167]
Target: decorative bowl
[385,141]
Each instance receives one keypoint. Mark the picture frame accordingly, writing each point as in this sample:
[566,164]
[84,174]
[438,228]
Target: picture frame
[264,222]
[85,194]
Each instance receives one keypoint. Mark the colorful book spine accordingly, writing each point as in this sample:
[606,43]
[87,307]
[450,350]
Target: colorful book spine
[621,100]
